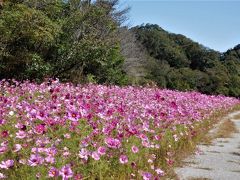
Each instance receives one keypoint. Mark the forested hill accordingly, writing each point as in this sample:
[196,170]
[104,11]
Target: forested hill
[176,62]
[84,41]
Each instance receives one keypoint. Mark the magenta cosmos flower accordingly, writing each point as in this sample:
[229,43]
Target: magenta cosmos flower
[7,164]
[147,176]
[35,160]
[101,150]
[40,129]
[73,116]
[53,172]
[112,143]
[66,172]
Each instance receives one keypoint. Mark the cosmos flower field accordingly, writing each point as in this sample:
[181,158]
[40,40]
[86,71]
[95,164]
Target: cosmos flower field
[61,131]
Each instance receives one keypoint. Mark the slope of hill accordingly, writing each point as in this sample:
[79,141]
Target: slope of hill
[176,62]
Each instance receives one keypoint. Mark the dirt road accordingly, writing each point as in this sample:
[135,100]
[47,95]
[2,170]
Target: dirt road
[218,161]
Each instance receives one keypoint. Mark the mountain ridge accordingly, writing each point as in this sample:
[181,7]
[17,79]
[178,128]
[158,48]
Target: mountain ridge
[175,61]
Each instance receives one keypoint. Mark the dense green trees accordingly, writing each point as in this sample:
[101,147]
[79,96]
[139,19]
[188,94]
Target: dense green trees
[74,40]
[179,63]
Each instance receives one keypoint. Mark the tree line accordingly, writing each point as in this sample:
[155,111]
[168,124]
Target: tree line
[176,62]
[85,41]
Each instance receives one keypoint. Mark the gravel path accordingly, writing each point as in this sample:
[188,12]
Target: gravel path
[218,161]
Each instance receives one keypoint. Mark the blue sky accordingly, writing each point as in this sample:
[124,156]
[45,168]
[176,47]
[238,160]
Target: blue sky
[215,23]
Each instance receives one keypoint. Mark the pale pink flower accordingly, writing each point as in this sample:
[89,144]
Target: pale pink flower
[2,176]
[83,154]
[112,143]
[67,136]
[175,137]
[95,156]
[7,164]
[66,153]
[22,161]
[50,159]
[66,172]
[3,149]
[135,149]
[11,113]
[123,159]
[150,161]
[53,172]
[147,176]
[51,151]
[17,147]
[159,172]
[35,160]
[101,150]
[21,134]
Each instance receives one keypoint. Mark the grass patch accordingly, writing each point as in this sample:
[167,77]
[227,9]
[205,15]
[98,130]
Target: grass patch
[213,152]
[236,153]
[237,171]
[204,168]
[236,117]
[226,129]
[198,178]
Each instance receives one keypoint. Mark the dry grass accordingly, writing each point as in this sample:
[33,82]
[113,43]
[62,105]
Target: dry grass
[225,129]
[204,168]
[237,117]
[205,137]
[236,153]
[200,178]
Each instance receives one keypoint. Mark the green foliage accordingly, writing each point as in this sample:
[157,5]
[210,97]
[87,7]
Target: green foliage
[179,63]
[25,36]
[72,40]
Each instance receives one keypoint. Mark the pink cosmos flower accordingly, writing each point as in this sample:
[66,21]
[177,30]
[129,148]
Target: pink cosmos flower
[83,153]
[21,134]
[135,149]
[170,162]
[112,143]
[2,176]
[50,159]
[159,172]
[53,172]
[51,151]
[35,160]
[2,121]
[73,116]
[22,161]
[78,177]
[40,129]
[41,115]
[38,175]
[66,153]
[17,147]
[4,133]
[3,149]
[67,136]
[7,164]
[101,150]
[95,156]
[66,172]
[123,159]
[175,137]
[147,176]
